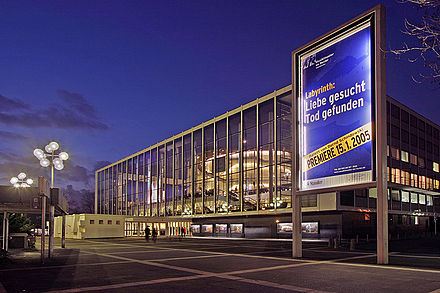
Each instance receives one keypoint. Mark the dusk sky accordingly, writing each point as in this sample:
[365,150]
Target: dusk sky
[109,78]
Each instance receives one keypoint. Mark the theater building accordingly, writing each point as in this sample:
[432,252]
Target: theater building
[232,176]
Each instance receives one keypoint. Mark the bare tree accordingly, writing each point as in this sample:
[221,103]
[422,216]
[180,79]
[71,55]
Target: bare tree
[426,31]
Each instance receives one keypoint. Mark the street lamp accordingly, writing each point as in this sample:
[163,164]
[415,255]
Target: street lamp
[50,158]
[21,181]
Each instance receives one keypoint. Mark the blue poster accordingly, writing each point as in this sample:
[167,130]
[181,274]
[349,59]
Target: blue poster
[336,112]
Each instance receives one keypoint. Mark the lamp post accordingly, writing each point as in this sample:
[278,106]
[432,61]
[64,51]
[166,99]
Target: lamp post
[55,161]
[21,181]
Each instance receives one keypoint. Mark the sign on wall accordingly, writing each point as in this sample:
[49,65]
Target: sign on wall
[335,110]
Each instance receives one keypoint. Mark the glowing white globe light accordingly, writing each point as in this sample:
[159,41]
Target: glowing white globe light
[63,156]
[44,162]
[48,148]
[54,145]
[38,153]
[16,185]
[14,180]
[57,161]
[59,167]
[23,185]
[29,181]
[21,176]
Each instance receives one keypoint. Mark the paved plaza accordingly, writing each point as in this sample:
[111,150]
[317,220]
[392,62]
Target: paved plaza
[215,265]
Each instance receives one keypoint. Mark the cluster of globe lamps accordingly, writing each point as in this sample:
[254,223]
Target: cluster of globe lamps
[57,159]
[21,181]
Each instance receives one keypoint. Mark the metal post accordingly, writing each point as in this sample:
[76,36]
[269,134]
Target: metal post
[43,226]
[51,229]
[7,233]
[296,225]
[63,232]
[5,215]
[381,140]
[435,224]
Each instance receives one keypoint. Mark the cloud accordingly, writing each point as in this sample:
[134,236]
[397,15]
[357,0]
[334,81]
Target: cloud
[73,112]
[12,104]
[6,135]
[99,164]
[77,102]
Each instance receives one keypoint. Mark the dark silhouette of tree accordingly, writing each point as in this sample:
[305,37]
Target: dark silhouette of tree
[424,32]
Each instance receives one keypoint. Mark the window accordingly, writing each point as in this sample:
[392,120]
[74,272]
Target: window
[413,159]
[372,193]
[405,196]
[395,175]
[395,153]
[92,222]
[429,200]
[413,197]
[422,182]
[118,222]
[101,222]
[309,200]
[421,162]
[395,195]
[414,181]
[404,156]
[109,222]
[435,167]
[421,198]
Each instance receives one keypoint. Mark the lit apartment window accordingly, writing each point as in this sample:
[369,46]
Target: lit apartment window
[414,181]
[405,178]
[429,200]
[413,197]
[395,153]
[404,156]
[397,176]
[405,196]
[422,182]
[436,184]
[413,159]
[435,167]
[388,150]
[421,198]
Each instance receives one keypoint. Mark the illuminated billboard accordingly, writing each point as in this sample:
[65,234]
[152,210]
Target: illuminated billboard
[335,110]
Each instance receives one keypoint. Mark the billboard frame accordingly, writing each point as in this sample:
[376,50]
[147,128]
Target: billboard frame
[376,17]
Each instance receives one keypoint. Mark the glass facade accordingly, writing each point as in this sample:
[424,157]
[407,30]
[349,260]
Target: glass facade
[239,162]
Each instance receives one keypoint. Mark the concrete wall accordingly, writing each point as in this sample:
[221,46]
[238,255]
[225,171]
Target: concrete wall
[82,226]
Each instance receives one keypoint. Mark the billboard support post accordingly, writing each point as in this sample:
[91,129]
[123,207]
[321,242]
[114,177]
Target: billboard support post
[381,141]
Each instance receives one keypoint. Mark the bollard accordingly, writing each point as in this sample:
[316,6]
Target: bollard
[330,242]
[335,241]
[367,238]
[352,245]
[357,238]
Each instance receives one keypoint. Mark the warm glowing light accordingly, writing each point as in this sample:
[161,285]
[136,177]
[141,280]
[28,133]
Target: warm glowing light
[29,181]
[39,153]
[57,161]
[44,162]
[59,167]
[48,148]
[54,145]
[63,156]
[21,176]
[14,180]
[16,185]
